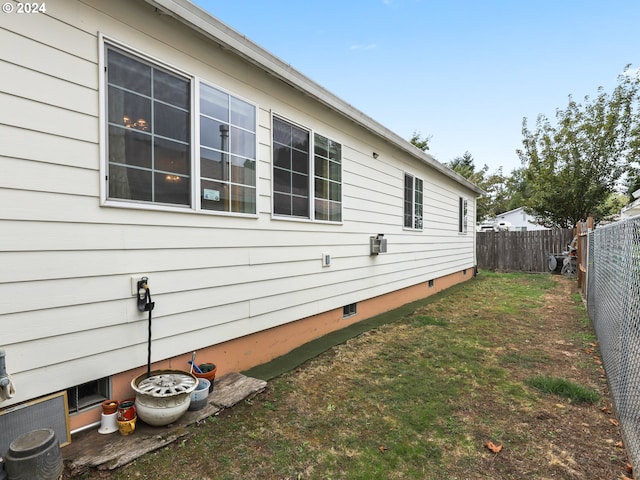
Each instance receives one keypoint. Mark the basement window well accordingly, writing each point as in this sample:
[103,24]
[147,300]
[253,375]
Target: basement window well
[88,394]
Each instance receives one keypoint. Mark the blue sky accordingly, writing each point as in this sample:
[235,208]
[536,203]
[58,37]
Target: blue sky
[465,72]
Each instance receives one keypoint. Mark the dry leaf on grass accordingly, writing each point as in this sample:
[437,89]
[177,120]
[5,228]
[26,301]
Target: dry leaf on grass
[382,448]
[493,447]
[613,422]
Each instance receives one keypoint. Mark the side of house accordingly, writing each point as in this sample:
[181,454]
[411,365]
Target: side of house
[146,138]
[517,220]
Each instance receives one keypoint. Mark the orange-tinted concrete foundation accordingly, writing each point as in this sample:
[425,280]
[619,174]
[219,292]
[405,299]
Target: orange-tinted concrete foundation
[243,353]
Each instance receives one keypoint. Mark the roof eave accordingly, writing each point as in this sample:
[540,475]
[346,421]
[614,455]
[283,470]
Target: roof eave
[206,24]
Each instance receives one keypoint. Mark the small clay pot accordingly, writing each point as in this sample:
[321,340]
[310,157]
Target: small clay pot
[109,407]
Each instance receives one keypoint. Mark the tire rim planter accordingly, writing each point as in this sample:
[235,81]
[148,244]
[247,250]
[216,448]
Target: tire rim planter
[163,396]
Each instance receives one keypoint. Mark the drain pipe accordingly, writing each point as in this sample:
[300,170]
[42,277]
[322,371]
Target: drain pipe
[146,305]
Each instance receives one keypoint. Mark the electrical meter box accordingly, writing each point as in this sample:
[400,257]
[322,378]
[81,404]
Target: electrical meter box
[378,244]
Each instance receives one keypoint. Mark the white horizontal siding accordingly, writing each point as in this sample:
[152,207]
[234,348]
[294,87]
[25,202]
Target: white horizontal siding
[66,262]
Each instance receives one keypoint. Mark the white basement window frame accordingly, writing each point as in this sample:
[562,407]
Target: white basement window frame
[172,141]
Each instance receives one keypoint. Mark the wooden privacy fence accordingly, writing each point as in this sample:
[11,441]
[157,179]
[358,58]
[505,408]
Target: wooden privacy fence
[520,251]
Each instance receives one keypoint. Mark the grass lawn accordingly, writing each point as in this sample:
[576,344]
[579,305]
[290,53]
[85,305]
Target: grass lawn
[497,378]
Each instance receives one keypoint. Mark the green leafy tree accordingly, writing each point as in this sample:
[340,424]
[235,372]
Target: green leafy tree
[417,140]
[573,167]
[494,184]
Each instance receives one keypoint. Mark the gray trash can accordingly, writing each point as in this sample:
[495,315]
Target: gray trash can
[34,455]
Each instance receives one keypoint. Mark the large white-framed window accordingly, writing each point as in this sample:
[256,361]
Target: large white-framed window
[306,186]
[149,135]
[413,202]
[227,152]
[172,140]
[462,215]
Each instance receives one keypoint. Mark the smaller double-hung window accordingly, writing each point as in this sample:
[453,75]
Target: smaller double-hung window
[462,215]
[306,186]
[413,202]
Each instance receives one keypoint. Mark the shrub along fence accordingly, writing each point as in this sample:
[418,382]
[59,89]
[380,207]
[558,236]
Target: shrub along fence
[520,251]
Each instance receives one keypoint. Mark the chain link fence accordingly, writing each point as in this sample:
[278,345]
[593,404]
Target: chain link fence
[613,299]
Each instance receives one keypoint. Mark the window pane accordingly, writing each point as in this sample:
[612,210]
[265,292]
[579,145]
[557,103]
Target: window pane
[281,204]
[129,73]
[300,161]
[300,139]
[335,151]
[321,209]
[281,132]
[171,122]
[129,110]
[243,143]
[211,135]
[408,201]
[335,191]
[243,114]
[321,167]
[281,180]
[243,170]
[214,103]
[335,171]
[211,164]
[281,157]
[321,188]
[171,89]
[129,147]
[335,211]
[300,184]
[321,146]
[300,207]
[172,157]
[243,199]
[129,183]
[214,196]
[171,189]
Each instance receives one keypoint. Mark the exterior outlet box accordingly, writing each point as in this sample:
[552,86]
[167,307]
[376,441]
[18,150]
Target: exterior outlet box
[326,259]
[377,245]
[134,283]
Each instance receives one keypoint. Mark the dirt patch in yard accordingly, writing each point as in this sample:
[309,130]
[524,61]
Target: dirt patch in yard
[422,397]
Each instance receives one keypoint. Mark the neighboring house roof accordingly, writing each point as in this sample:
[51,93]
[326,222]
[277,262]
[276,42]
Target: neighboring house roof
[519,218]
[631,210]
[203,22]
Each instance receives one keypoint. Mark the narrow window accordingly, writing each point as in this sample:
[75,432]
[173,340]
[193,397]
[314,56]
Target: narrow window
[290,170]
[413,203]
[462,215]
[227,152]
[149,132]
[327,179]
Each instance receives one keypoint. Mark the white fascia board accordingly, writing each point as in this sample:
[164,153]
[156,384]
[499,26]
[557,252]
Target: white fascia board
[203,22]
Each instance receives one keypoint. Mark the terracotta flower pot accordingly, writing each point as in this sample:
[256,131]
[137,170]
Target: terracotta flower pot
[109,407]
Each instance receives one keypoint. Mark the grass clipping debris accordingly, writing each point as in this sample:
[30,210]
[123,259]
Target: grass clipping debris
[496,378]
